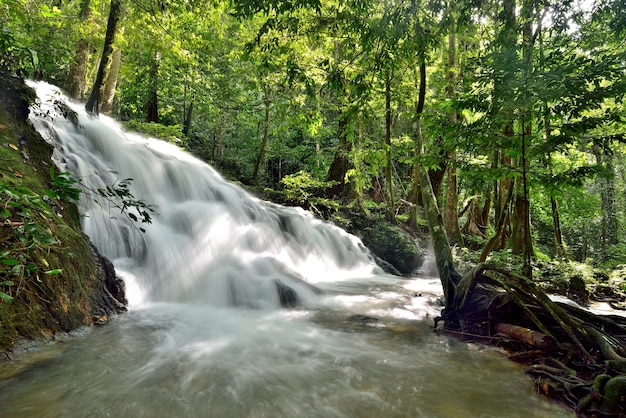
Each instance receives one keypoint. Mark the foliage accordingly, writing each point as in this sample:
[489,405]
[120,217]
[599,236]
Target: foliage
[120,192]
[529,93]
[169,133]
[15,58]
[26,240]
[302,186]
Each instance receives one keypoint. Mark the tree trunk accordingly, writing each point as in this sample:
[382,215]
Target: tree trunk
[75,83]
[436,175]
[341,162]
[443,253]
[152,106]
[559,248]
[473,218]
[484,216]
[111,84]
[187,121]
[266,129]
[218,148]
[521,234]
[391,204]
[502,224]
[450,213]
[608,234]
[93,103]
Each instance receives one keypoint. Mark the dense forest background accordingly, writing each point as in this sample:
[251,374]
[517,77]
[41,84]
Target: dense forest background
[514,107]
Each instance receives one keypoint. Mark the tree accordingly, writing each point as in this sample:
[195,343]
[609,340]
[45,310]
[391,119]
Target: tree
[93,103]
[76,78]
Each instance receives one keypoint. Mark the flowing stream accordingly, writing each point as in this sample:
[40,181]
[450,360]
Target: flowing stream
[206,335]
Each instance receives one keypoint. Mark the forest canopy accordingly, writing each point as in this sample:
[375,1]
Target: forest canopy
[519,103]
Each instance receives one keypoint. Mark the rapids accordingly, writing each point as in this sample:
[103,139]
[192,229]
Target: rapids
[206,335]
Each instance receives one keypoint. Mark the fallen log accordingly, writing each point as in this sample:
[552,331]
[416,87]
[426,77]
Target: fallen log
[528,336]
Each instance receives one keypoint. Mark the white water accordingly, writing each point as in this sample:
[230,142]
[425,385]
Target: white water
[206,336]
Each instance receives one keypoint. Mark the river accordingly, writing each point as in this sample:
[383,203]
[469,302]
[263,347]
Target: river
[206,335]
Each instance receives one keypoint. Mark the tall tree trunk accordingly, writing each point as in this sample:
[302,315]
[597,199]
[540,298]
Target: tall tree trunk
[474,218]
[414,196]
[450,213]
[437,174]
[218,144]
[111,83]
[75,83]
[187,120]
[152,106]
[93,103]
[266,133]
[521,237]
[443,253]
[391,204]
[503,109]
[341,162]
[559,248]
[608,234]
[502,224]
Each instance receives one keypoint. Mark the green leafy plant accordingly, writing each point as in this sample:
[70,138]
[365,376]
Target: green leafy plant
[26,239]
[13,56]
[64,186]
[121,190]
[301,186]
[171,133]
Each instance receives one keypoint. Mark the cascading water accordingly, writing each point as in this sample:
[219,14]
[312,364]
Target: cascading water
[205,335]
[210,242]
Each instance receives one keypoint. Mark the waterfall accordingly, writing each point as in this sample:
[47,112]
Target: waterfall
[209,240]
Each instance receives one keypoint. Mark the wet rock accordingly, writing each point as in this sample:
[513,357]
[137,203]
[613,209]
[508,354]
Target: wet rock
[288,297]
[614,403]
[577,290]
[109,296]
[364,319]
[394,249]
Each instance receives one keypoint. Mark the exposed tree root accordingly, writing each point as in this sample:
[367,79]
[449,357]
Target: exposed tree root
[576,356]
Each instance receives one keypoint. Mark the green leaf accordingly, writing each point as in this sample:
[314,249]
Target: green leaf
[10,262]
[4,298]
[7,283]
[53,272]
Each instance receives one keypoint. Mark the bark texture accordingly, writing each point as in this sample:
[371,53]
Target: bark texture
[95,98]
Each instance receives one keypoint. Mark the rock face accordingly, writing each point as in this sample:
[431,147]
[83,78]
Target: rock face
[58,282]
[109,293]
[395,250]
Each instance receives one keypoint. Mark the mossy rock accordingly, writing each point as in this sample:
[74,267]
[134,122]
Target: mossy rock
[614,402]
[399,251]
